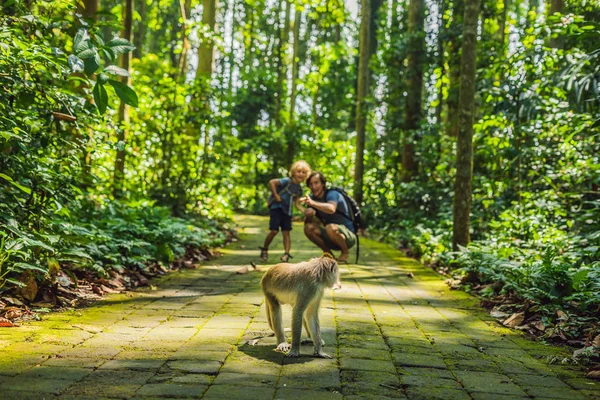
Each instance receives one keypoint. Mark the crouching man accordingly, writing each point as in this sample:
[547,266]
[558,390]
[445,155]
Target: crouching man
[330,208]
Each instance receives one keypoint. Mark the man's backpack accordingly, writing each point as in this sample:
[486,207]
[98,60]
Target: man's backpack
[355,214]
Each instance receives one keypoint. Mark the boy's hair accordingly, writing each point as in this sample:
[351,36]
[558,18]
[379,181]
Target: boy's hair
[299,164]
[318,174]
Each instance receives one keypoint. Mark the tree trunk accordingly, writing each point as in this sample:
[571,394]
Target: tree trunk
[89,9]
[123,108]
[556,6]
[205,51]
[280,66]
[464,153]
[291,139]
[185,43]
[361,98]
[139,35]
[416,53]
[454,33]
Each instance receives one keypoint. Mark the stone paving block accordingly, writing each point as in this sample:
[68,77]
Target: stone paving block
[418,360]
[364,342]
[416,380]
[285,393]
[177,390]
[194,366]
[107,383]
[56,373]
[355,352]
[358,328]
[472,364]
[91,352]
[155,345]
[230,378]
[436,393]
[141,365]
[584,384]
[370,384]
[553,392]
[170,376]
[89,363]
[181,322]
[315,379]
[539,380]
[220,392]
[488,382]
[359,364]
[12,367]
[494,396]
[52,386]
[192,354]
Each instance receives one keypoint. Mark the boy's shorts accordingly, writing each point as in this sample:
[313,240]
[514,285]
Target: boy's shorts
[279,219]
[348,235]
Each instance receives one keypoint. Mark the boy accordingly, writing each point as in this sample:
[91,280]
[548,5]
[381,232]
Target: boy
[284,193]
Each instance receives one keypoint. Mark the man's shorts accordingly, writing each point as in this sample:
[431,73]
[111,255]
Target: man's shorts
[279,219]
[348,235]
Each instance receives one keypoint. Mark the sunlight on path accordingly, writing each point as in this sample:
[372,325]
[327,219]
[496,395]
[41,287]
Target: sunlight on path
[202,333]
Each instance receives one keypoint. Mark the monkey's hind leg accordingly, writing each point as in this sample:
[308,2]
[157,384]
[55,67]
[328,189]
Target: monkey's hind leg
[312,316]
[276,322]
[309,339]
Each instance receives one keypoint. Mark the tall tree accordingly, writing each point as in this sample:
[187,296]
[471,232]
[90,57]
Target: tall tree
[454,36]
[464,153]
[89,8]
[556,6]
[291,136]
[206,49]
[361,97]
[140,31]
[416,60]
[123,126]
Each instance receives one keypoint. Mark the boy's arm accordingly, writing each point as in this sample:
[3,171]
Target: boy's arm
[298,205]
[273,183]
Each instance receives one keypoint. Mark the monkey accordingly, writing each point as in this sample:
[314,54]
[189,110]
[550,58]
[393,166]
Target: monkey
[300,285]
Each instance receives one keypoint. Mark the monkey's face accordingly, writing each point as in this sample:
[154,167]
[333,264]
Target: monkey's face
[331,272]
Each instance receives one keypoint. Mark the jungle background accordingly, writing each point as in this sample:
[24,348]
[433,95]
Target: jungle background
[131,131]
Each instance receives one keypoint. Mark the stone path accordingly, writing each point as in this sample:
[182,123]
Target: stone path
[193,334]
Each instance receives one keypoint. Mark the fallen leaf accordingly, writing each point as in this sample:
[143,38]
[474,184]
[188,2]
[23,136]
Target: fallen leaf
[539,325]
[593,375]
[243,270]
[410,275]
[562,315]
[253,265]
[514,320]
[5,323]
[596,341]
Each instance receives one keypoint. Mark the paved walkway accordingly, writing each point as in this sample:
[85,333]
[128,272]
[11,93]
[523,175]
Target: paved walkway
[202,333]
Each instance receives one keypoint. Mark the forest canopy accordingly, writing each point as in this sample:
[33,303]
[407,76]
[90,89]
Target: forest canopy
[468,130]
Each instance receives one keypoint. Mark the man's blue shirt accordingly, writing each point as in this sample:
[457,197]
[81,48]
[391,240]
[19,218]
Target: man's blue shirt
[341,215]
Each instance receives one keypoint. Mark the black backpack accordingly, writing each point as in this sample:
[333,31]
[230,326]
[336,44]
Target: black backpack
[355,214]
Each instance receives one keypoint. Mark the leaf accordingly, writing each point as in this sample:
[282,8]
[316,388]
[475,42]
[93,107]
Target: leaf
[120,45]
[92,64]
[79,42]
[88,53]
[75,63]
[22,266]
[114,70]
[593,375]
[514,320]
[596,341]
[15,184]
[5,323]
[100,97]
[125,93]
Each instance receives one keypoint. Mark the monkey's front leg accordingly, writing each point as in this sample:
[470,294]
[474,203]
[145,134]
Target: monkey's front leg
[296,330]
[274,312]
